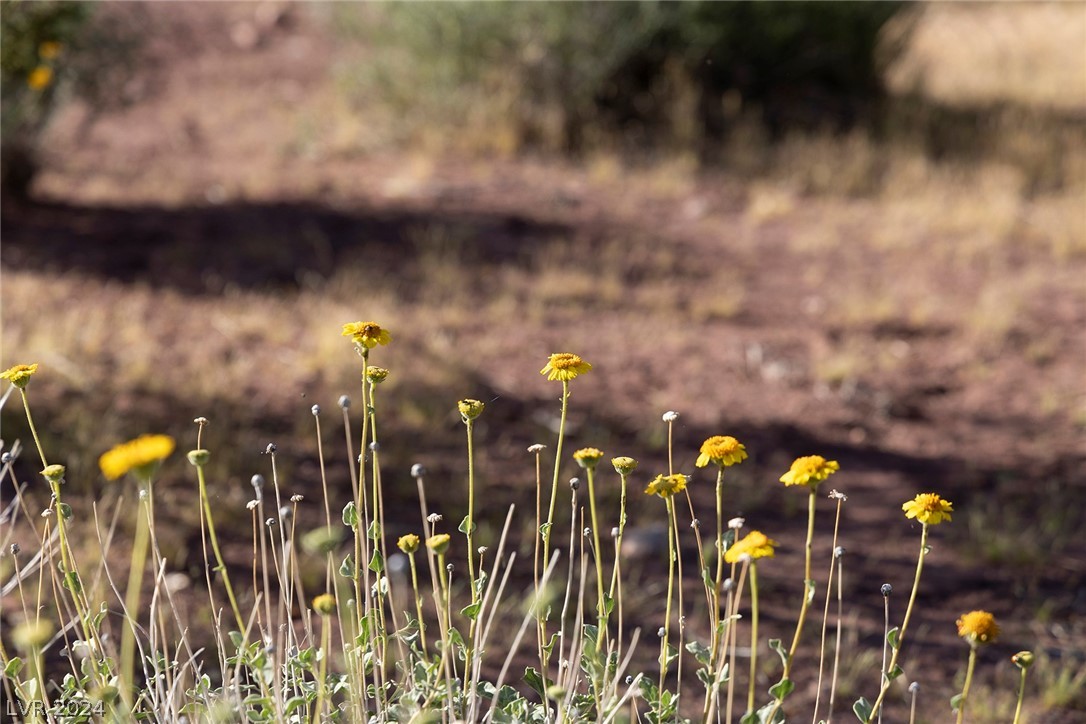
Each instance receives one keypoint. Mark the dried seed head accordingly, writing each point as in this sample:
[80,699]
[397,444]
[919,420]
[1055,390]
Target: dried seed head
[670,416]
[736,523]
[286,512]
[14,549]
[418,470]
[586,532]
[838,496]
[6,458]
[201,421]
[316,410]
[270,522]
[297,498]
[914,687]
[537,448]
[252,504]
[344,401]
[615,532]
[375,446]
[886,590]
[695,524]
[661,632]
[839,551]
[257,481]
[574,483]
[434,518]
[270,449]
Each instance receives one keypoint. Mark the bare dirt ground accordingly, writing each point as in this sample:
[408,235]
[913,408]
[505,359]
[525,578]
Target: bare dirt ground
[196,253]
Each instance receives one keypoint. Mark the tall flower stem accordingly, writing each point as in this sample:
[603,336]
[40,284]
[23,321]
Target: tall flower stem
[221,563]
[753,635]
[140,546]
[808,584]
[670,589]
[1021,697]
[546,535]
[968,682]
[834,558]
[886,680]
[601,604]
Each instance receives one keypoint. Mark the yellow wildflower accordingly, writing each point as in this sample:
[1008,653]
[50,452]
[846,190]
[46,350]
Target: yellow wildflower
[978,627]
[564,366]
[438,543]
[755,544]
[376,375]
[324,604]
[624,465]
[408,543]
[40,78]
[140,456]
[667,485]
[588,457]
[928,508]
[469,409]
[810,470]
[19,375]
[722,450]
[367,334]
[49,50]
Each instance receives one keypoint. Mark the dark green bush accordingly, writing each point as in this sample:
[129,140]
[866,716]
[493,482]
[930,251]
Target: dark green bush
[561,74]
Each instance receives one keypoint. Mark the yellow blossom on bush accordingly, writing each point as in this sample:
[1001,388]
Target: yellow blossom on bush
[324,604]
[139,456]
[40,78]
[19,375]
[810,470]
[438,543]
[978,627]
[588,457]
[564,366]
[722,450]
[928,508]
[755,544]
[408,543]
[667,485]
[367,334]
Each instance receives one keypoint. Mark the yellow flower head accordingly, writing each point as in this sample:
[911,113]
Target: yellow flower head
[755,544]
[722,450]
[32,634]
[376,375]
[49,50]
[470,409]
[928,508]
[588,457]
[438,543]
[19,375]
[667,485]
[40,78]
[978,627]
[140,456]
[54,473]
[810,470]
[564,366]
[367,334]
[624,465]
[408,543]
[324,604]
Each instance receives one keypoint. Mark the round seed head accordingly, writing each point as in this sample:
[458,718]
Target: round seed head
[344,401]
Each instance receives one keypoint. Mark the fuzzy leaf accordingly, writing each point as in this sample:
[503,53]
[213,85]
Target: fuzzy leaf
[471,611]
[350,516]
[533,679]
[700,651]
[956,702]
[892,638]
[862,709]
[464,525]
[15,665]
[346,568]
[777,646]
[782,689]
[377,563]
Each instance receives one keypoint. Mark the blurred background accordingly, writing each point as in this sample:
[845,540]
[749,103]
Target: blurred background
[851,229]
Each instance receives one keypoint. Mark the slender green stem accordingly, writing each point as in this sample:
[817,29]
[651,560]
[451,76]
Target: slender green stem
[1021,697]
[557,467]
[418,602]
[470,425]
[140,547]
[33,429]
[808,584]
[968,682]
[601,606]
[215,548]
[886,681]
[322,673]
[753,635]
[826,613]
[670,589]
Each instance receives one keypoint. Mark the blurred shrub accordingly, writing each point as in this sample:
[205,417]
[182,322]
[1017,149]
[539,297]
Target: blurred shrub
[564,75]
[50,51]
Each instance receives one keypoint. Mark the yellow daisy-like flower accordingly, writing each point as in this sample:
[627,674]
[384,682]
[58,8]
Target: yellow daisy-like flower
[325,604]
[40,78]
[722,450]
[978,627]
[588,457]
[438,543]
[928,508]
[755,544]
[810,470]
[408,543]
[19,375]
[667,485]
[367,334]
[624,465]
[139,456]
[564,366]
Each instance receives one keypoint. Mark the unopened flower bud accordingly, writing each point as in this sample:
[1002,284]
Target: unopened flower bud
[199,458]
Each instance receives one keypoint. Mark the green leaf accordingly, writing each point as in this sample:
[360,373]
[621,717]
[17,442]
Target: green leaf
[72,582]
[771,713]
[464,525]
[350,516]
[782,689]
[377,564]
[592,633]
[751,718]
[777,646]
[374,531]
[701,651]
[810,586]
[346,569]
[894,673]
[472,611]
[533,679]
[862,709]
[545,531]
[892,638]
[65,510]
[608,604]
[956,702]
[15,665]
